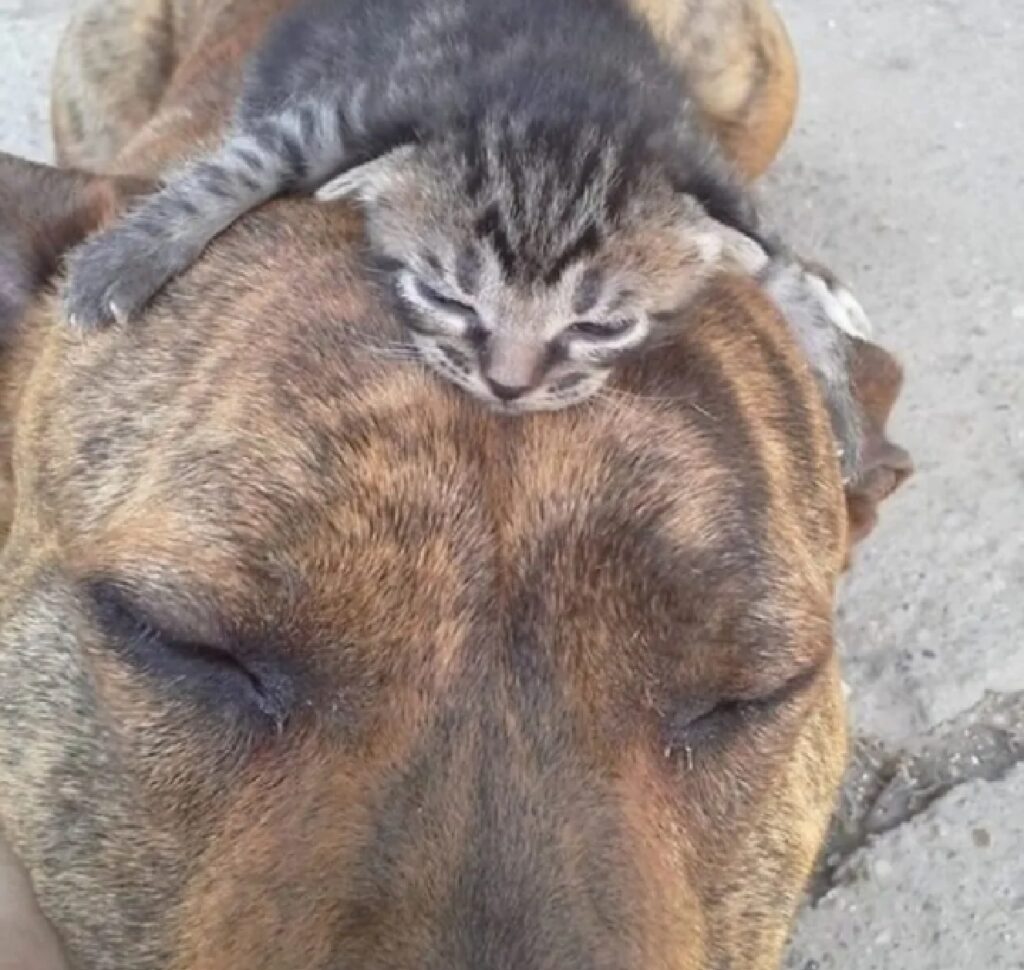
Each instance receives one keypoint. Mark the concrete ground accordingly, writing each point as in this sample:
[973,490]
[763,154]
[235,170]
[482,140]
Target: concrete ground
[905,174]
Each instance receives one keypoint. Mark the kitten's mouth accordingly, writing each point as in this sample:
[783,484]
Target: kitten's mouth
[508,408]
[554,394]
[537,403]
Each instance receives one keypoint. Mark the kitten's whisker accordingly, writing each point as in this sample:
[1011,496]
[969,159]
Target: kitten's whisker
[696,407]
[660,399]
[399,358]
[385,344]
[619,403]
[389,351]
[391,354]
[659,339]
[648,398]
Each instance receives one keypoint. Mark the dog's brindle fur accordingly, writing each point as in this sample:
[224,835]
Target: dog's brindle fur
[490,640]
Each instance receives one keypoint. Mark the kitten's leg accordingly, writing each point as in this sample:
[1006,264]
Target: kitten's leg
[824,315]
[113,275]
[826,318]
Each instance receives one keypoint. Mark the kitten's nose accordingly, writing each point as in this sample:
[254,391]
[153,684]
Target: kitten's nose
[511,365]
[506,392]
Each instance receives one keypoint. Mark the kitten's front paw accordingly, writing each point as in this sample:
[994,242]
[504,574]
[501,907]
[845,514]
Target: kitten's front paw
[840,306]
[111,277]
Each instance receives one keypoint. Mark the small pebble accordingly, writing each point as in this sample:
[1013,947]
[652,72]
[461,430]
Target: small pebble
[882,870]
[981,838]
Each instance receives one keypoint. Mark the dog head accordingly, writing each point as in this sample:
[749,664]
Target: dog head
[308,661]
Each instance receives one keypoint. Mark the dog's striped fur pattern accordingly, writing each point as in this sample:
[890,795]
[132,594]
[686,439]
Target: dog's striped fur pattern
[308,662]
[372,677]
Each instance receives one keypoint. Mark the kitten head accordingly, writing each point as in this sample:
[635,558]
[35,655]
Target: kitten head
[527,265]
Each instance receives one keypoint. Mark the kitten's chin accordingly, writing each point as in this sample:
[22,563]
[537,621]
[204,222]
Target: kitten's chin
[553,398]
[556,396]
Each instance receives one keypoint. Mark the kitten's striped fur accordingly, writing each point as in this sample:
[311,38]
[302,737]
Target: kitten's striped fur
[535,181]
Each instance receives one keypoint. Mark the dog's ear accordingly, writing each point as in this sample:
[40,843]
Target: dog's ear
[876,379]
[45,211]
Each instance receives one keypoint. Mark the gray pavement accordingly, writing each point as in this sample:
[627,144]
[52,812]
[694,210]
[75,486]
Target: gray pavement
[905,174]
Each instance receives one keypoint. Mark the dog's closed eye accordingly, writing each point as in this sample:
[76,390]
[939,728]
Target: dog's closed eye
[218,674]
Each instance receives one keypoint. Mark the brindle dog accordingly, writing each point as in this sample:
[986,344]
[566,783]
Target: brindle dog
[308,662]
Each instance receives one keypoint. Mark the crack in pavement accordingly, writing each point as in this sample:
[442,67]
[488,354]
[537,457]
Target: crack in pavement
[885,788]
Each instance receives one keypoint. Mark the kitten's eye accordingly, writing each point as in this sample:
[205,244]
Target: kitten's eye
[604,330]
[476,335]
[443,302]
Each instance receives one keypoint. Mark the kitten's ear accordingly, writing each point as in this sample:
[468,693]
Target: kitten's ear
[710,194]
[722,246]
[366,182]
[44,211]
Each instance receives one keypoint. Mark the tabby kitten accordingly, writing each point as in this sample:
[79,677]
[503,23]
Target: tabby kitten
[532,175]
[529,171]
